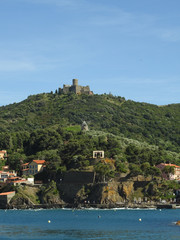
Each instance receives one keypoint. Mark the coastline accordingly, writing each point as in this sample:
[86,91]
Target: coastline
[92,206]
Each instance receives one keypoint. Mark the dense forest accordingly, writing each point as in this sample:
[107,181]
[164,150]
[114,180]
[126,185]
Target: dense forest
[48,126]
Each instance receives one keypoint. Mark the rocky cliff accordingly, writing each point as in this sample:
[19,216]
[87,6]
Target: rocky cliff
[76,194]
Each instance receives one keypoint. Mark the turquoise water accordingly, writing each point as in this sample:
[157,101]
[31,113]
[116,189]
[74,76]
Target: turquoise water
[89,224]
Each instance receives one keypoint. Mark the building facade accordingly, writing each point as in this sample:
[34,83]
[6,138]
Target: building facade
[5,175]
[33,167]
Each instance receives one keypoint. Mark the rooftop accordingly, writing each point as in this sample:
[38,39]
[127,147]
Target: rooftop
[6,193]
[25,164]
[171,165]
[39,161]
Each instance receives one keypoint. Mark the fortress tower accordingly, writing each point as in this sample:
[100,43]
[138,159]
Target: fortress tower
[75,82]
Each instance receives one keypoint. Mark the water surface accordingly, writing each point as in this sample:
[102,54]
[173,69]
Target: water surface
[89,224]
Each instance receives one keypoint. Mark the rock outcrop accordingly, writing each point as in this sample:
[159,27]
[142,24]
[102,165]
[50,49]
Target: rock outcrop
[110,194]
[126,189]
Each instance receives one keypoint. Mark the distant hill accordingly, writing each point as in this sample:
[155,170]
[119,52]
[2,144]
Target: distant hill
[155,125]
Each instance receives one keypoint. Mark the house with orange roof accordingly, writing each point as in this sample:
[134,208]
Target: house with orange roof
[5,198]
[33,167]
[5,175]
[170,176]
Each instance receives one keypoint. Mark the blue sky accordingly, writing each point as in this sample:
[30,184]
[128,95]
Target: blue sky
[130,48]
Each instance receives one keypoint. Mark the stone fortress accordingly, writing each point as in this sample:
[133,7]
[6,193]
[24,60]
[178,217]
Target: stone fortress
[75,88]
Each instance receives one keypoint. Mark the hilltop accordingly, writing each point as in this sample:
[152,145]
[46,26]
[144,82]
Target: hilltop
[156,125]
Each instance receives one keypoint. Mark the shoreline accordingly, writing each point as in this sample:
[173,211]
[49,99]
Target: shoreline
[92,206]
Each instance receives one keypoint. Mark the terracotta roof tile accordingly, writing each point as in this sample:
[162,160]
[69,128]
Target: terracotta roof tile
[25,164]
[173,165]
[39,161]
[6,193]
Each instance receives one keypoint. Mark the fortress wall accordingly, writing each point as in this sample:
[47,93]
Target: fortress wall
[85,89]
[78,177]
[66,88]
[75,89]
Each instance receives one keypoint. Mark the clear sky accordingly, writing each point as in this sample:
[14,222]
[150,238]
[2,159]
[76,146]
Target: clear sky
[130,48]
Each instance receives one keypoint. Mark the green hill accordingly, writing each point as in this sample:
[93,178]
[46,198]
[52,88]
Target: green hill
[157,125]
[48,126]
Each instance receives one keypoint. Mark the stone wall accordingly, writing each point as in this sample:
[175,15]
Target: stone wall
[76,177]
[69,192]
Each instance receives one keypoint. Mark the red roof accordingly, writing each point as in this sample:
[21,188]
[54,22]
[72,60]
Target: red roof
[171,165]
[6,193]
[39,161]
[25,164]
[16,181]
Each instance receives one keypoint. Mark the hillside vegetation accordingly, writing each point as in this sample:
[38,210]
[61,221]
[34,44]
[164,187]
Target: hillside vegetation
[157,125]
[49,126]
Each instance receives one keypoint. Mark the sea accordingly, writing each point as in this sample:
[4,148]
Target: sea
[72,224]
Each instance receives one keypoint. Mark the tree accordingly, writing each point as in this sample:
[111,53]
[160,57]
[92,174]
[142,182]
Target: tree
[52,158]
[2,164]
[121,167]
[133,154]
[145,167]
[104,170]
[154,171]
[168,170]
[15,160]
[45,139]
[135,170]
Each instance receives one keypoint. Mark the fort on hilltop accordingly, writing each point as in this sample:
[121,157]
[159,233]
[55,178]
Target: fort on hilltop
[75,88]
